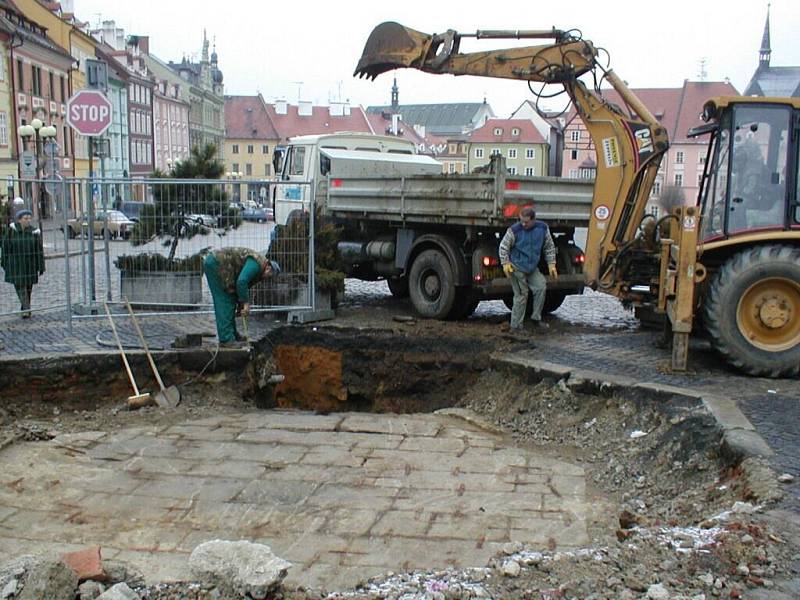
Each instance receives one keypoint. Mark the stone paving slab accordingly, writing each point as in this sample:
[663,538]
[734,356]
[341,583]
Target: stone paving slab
[341,496]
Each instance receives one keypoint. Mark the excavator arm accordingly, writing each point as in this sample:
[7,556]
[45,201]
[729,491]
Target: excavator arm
[628,140]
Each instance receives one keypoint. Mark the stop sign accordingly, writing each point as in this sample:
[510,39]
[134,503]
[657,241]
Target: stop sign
[89,112]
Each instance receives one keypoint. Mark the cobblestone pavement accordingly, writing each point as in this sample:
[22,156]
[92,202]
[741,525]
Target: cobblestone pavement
[341,496]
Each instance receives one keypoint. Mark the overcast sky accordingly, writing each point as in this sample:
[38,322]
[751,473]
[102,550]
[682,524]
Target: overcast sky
[269,47]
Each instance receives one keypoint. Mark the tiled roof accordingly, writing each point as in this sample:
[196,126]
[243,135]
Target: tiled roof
[246,118]
[319,122]
[439,118]
[527,132]
[779,82]
[382,126]
[677,109]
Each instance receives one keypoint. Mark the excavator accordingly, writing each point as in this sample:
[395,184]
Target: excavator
[730,263]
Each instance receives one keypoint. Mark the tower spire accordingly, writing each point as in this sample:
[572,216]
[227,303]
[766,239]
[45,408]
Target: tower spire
[395,96]
[765,51]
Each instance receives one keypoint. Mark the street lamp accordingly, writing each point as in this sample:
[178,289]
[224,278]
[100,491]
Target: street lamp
[39,133]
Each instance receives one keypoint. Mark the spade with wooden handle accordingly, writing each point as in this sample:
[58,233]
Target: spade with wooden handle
[139,399]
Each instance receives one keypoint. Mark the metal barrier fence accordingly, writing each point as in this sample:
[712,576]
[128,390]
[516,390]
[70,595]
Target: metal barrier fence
[91,241]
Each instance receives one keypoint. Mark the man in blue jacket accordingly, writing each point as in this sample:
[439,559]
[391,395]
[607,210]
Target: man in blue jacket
[520,250]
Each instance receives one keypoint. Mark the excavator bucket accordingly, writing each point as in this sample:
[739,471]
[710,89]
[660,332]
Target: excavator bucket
[392,46]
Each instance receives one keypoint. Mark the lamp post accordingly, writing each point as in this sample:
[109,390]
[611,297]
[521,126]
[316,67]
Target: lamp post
[39,133]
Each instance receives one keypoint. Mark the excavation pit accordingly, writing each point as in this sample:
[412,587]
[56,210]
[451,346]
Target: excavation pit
[358,467]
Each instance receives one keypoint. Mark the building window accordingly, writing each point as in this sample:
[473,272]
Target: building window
[573,155]
[701,160]
[679,157]
[248,169]
[656,188]
[52,89]
[20,75]
[530,153]
[498,131]
[478,152]
[36,72]
[679,179]
[512,170]
[512,153]
[573,173]
[3,129]
[452,148]
[587,173]
[249,148]
[235,167]
[63,89]
[266,169]
[699,179]
[515,131]
[575,135]
[495,152]
[451,167]
[463,148]
[236,150]
[264,149]
[529,171]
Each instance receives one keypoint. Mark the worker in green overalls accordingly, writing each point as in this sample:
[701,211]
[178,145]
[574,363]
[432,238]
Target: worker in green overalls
[230,273]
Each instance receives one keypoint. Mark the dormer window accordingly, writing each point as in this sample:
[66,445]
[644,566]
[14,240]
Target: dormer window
[498,131]
[515,131]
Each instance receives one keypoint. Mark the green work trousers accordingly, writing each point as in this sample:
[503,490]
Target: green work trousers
[224,301]
[521,283]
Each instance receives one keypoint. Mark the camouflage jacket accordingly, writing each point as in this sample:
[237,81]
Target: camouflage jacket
[231,262]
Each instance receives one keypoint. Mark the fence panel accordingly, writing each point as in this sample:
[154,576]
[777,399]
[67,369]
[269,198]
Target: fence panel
[34,248]
[151,237]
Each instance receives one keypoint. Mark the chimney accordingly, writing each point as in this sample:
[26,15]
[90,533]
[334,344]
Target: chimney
[346,107]
[395,124]
[304,108]
[336,109]
[144,44]
[280,107]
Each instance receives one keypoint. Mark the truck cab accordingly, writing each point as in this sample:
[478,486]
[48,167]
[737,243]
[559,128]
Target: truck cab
[310,159]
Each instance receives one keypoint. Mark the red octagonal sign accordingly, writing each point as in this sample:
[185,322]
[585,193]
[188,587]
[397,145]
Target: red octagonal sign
[89,112]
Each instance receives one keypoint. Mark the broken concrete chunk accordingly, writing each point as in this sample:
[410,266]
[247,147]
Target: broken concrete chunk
[120,591]
[511,568]
[786,478]
[657,592]
[90,590]
[245,567]
[48,578]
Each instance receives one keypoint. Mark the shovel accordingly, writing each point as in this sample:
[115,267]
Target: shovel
[138,400]
[168,397]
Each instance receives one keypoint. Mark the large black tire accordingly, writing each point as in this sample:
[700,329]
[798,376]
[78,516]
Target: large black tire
[752,310]
[463,306]
[432,285]
[553,300]
[398,286]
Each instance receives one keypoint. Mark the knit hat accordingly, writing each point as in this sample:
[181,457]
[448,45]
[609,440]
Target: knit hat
[22,213]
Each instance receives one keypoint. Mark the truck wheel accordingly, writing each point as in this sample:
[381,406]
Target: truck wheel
[432,285]
[553,300]
[398,286]
[463,306]
[752,311]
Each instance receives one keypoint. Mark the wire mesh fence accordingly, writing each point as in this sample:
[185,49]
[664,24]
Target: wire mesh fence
[86,242]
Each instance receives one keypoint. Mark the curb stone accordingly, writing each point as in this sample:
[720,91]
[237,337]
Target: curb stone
[739,437]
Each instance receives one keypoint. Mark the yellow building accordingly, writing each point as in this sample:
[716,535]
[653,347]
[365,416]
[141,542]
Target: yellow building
[250,141]
[63,30]
[9,166]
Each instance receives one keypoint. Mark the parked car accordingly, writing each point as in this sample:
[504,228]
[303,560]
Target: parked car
[205,220]
[260,215]
[119,226]
[131,210]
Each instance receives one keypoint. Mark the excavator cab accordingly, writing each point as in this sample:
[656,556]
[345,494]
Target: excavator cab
[750,179]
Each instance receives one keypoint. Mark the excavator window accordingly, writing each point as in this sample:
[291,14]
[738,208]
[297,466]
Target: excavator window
[759,153]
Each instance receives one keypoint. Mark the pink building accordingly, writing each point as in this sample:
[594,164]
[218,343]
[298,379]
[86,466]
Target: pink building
[170,125]
[678,110]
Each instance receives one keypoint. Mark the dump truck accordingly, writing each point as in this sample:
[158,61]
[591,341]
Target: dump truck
[433,237]
[730,263]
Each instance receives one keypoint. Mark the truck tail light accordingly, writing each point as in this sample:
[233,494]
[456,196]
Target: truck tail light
[512,185]
[579,259]
[336,183]
[490,261]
